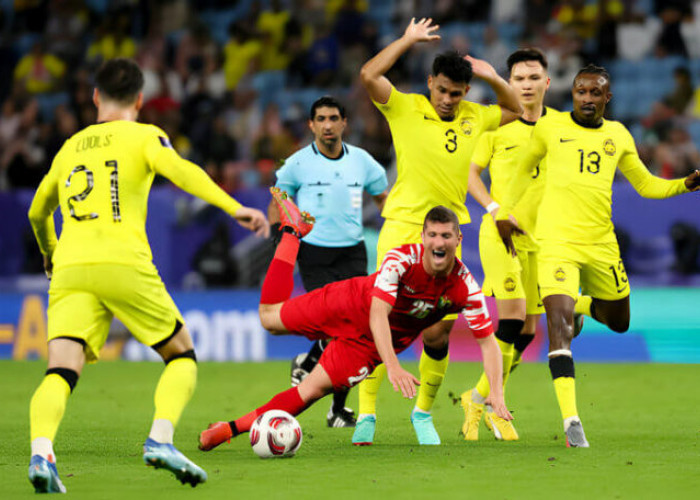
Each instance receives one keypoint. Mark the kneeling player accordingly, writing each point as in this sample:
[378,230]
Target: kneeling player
[369,319]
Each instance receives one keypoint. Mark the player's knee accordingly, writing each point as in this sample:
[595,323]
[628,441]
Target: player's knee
[67,374]
[188,354]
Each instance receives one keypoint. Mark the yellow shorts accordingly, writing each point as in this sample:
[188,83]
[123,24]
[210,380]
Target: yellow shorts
[507,277]
[83,299]
[395,233]
[597,270]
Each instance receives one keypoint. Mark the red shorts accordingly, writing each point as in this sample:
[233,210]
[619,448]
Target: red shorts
[335,311]
[347,361]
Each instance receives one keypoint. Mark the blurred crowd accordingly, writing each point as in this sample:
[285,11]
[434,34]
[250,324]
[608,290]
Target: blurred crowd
[230,82]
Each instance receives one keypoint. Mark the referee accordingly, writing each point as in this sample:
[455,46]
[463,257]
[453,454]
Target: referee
[328,178]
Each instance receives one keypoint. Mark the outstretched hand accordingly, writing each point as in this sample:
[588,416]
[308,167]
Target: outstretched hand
[499,408]
[254,220]
[421,31]
[692,182]
[404,381]
[506,228]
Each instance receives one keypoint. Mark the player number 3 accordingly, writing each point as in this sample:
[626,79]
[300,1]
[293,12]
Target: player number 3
[89,184]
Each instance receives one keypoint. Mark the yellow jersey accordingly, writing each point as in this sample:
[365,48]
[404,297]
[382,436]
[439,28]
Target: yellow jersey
[500,150]
[432,155]
[576,205]
[101,178]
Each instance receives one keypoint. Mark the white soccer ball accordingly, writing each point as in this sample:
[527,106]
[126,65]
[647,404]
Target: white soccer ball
[275,434]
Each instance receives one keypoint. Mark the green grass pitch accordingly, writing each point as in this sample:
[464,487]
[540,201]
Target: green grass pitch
[642,421]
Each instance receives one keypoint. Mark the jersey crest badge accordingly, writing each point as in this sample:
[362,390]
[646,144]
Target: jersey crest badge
[466,127]
[444,303]
[560,274]
[609,147]
[509,284]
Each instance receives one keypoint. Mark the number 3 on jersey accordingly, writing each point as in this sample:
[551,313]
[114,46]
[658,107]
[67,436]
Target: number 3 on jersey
[451,144]
[89,184]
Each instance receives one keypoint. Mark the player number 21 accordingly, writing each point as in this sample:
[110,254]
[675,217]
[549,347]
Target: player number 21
[89,184]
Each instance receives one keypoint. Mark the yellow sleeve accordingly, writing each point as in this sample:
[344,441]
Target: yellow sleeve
[492,117]
[41,212]
[522,177]
[186,175]
[397,104]
[483,151]
[646,184]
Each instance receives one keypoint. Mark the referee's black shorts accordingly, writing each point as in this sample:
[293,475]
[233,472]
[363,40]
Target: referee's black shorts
[322,265]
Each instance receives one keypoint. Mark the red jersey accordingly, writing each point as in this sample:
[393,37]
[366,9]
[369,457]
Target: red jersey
[418,300]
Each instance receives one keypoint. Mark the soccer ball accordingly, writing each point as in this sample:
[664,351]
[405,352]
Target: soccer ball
[275,433]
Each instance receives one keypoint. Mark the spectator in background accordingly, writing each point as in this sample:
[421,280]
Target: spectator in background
[323,59]
[39,71]
[673,104]
[670,41]
[112,41]
[22,159]
[240,54]
[677,156]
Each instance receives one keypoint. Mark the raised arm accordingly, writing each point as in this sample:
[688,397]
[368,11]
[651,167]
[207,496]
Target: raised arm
[192,179]
[506,98]
[372,73]
[381,332]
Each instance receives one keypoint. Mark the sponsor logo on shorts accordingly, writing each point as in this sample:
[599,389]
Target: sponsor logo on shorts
[560,274]
[609,147]
[509,284]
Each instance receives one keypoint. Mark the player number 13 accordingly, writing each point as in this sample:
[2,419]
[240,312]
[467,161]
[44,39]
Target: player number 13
[593,163]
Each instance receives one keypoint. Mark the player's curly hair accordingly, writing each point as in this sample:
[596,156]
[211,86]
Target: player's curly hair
[528,54]
[441,214]
[453,66]
[120,80]
[592,69]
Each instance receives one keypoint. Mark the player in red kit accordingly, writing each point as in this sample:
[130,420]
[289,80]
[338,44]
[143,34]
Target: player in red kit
[370,318]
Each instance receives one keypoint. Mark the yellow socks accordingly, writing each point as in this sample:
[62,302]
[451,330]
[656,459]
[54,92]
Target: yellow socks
[174,390]
[565,387]
[561,366]
[432,373]
[368,390]
[48,406]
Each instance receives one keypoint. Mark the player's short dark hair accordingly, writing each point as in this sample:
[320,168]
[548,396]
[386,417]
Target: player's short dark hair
[326,102]
[120,80]
[443,215]
[592,69]
[528,54]
[453,66]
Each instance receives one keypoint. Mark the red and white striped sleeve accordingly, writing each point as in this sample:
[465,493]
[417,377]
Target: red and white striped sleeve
[475,312]
[396,262]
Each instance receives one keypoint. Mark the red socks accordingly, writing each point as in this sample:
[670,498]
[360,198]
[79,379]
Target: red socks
[279,280]
[289,401]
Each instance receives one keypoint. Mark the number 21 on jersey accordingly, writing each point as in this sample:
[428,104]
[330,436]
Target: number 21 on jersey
[89,184]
